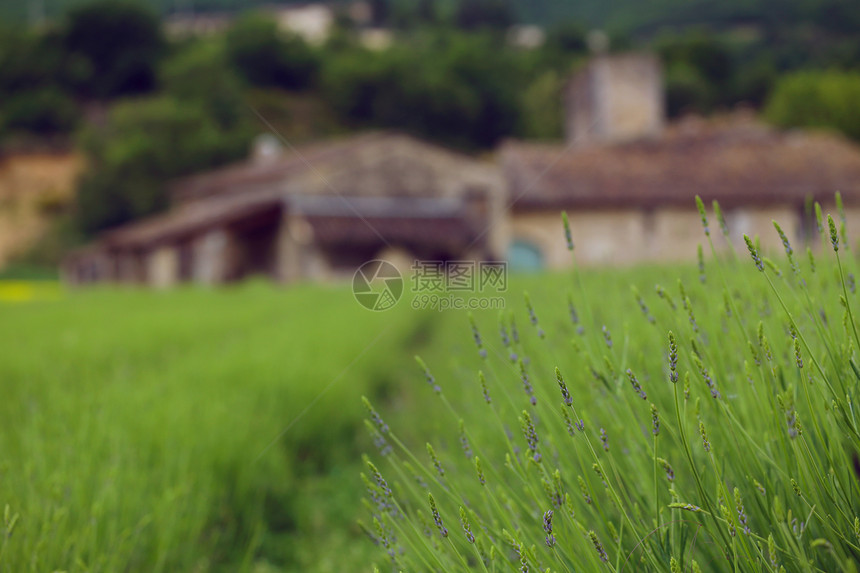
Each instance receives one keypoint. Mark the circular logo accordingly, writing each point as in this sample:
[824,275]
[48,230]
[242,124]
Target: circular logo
[377,285]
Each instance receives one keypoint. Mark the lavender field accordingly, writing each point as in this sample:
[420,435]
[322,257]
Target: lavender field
[688,420]
[665,418]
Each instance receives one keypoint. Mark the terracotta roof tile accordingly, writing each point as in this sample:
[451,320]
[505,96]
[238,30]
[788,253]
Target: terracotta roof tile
[735,162]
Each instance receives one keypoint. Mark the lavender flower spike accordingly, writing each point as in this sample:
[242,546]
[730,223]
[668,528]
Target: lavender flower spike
[436,517]
[375,417]
[428,376]
[636,385]
[563,387]
[547,527]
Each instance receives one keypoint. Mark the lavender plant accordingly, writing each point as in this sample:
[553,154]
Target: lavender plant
[736,449]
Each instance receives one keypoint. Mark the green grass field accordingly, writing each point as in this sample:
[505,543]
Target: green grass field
[141,431]
[222,430]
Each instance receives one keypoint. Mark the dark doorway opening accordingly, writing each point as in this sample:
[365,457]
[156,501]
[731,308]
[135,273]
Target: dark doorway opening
[255,242]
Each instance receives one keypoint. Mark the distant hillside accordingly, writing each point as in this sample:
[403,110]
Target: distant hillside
[626,15]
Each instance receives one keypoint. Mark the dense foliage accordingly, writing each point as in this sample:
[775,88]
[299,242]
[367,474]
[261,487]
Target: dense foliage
[817,100]
[707,425]
[715,55]
[121,45]
[268,58]
[101,51]
[447,87]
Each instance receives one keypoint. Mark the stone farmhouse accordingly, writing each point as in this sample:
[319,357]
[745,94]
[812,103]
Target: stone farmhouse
[316,212]
[626,178]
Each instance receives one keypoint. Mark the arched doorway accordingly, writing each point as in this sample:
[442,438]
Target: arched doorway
[524,256]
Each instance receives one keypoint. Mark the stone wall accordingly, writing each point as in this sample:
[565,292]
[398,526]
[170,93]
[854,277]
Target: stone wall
[163,267]
[210,257]
[615,98]
[627,237]
[600,237]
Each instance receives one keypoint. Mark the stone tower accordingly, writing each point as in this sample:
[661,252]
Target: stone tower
[615,98]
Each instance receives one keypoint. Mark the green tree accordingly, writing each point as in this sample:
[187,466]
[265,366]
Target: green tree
[542,111]
[455,88]
[200,74]
[567,38]
[427,12]
[492,74]
[145,144]
[30,60]
[354,79]
[565,43]
[817,99]
[122,44]
[267,57]
[380,12]
[43,111]
[700,71]
[476,14]
[36,81]
[754,81]
[686,90]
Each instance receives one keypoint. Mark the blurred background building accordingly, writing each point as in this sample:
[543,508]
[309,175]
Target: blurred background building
[626,179]
[316,212]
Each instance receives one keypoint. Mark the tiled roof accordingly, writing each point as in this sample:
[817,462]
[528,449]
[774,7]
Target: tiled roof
[250,173]
[326,160]
[735,161]
[188,219]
